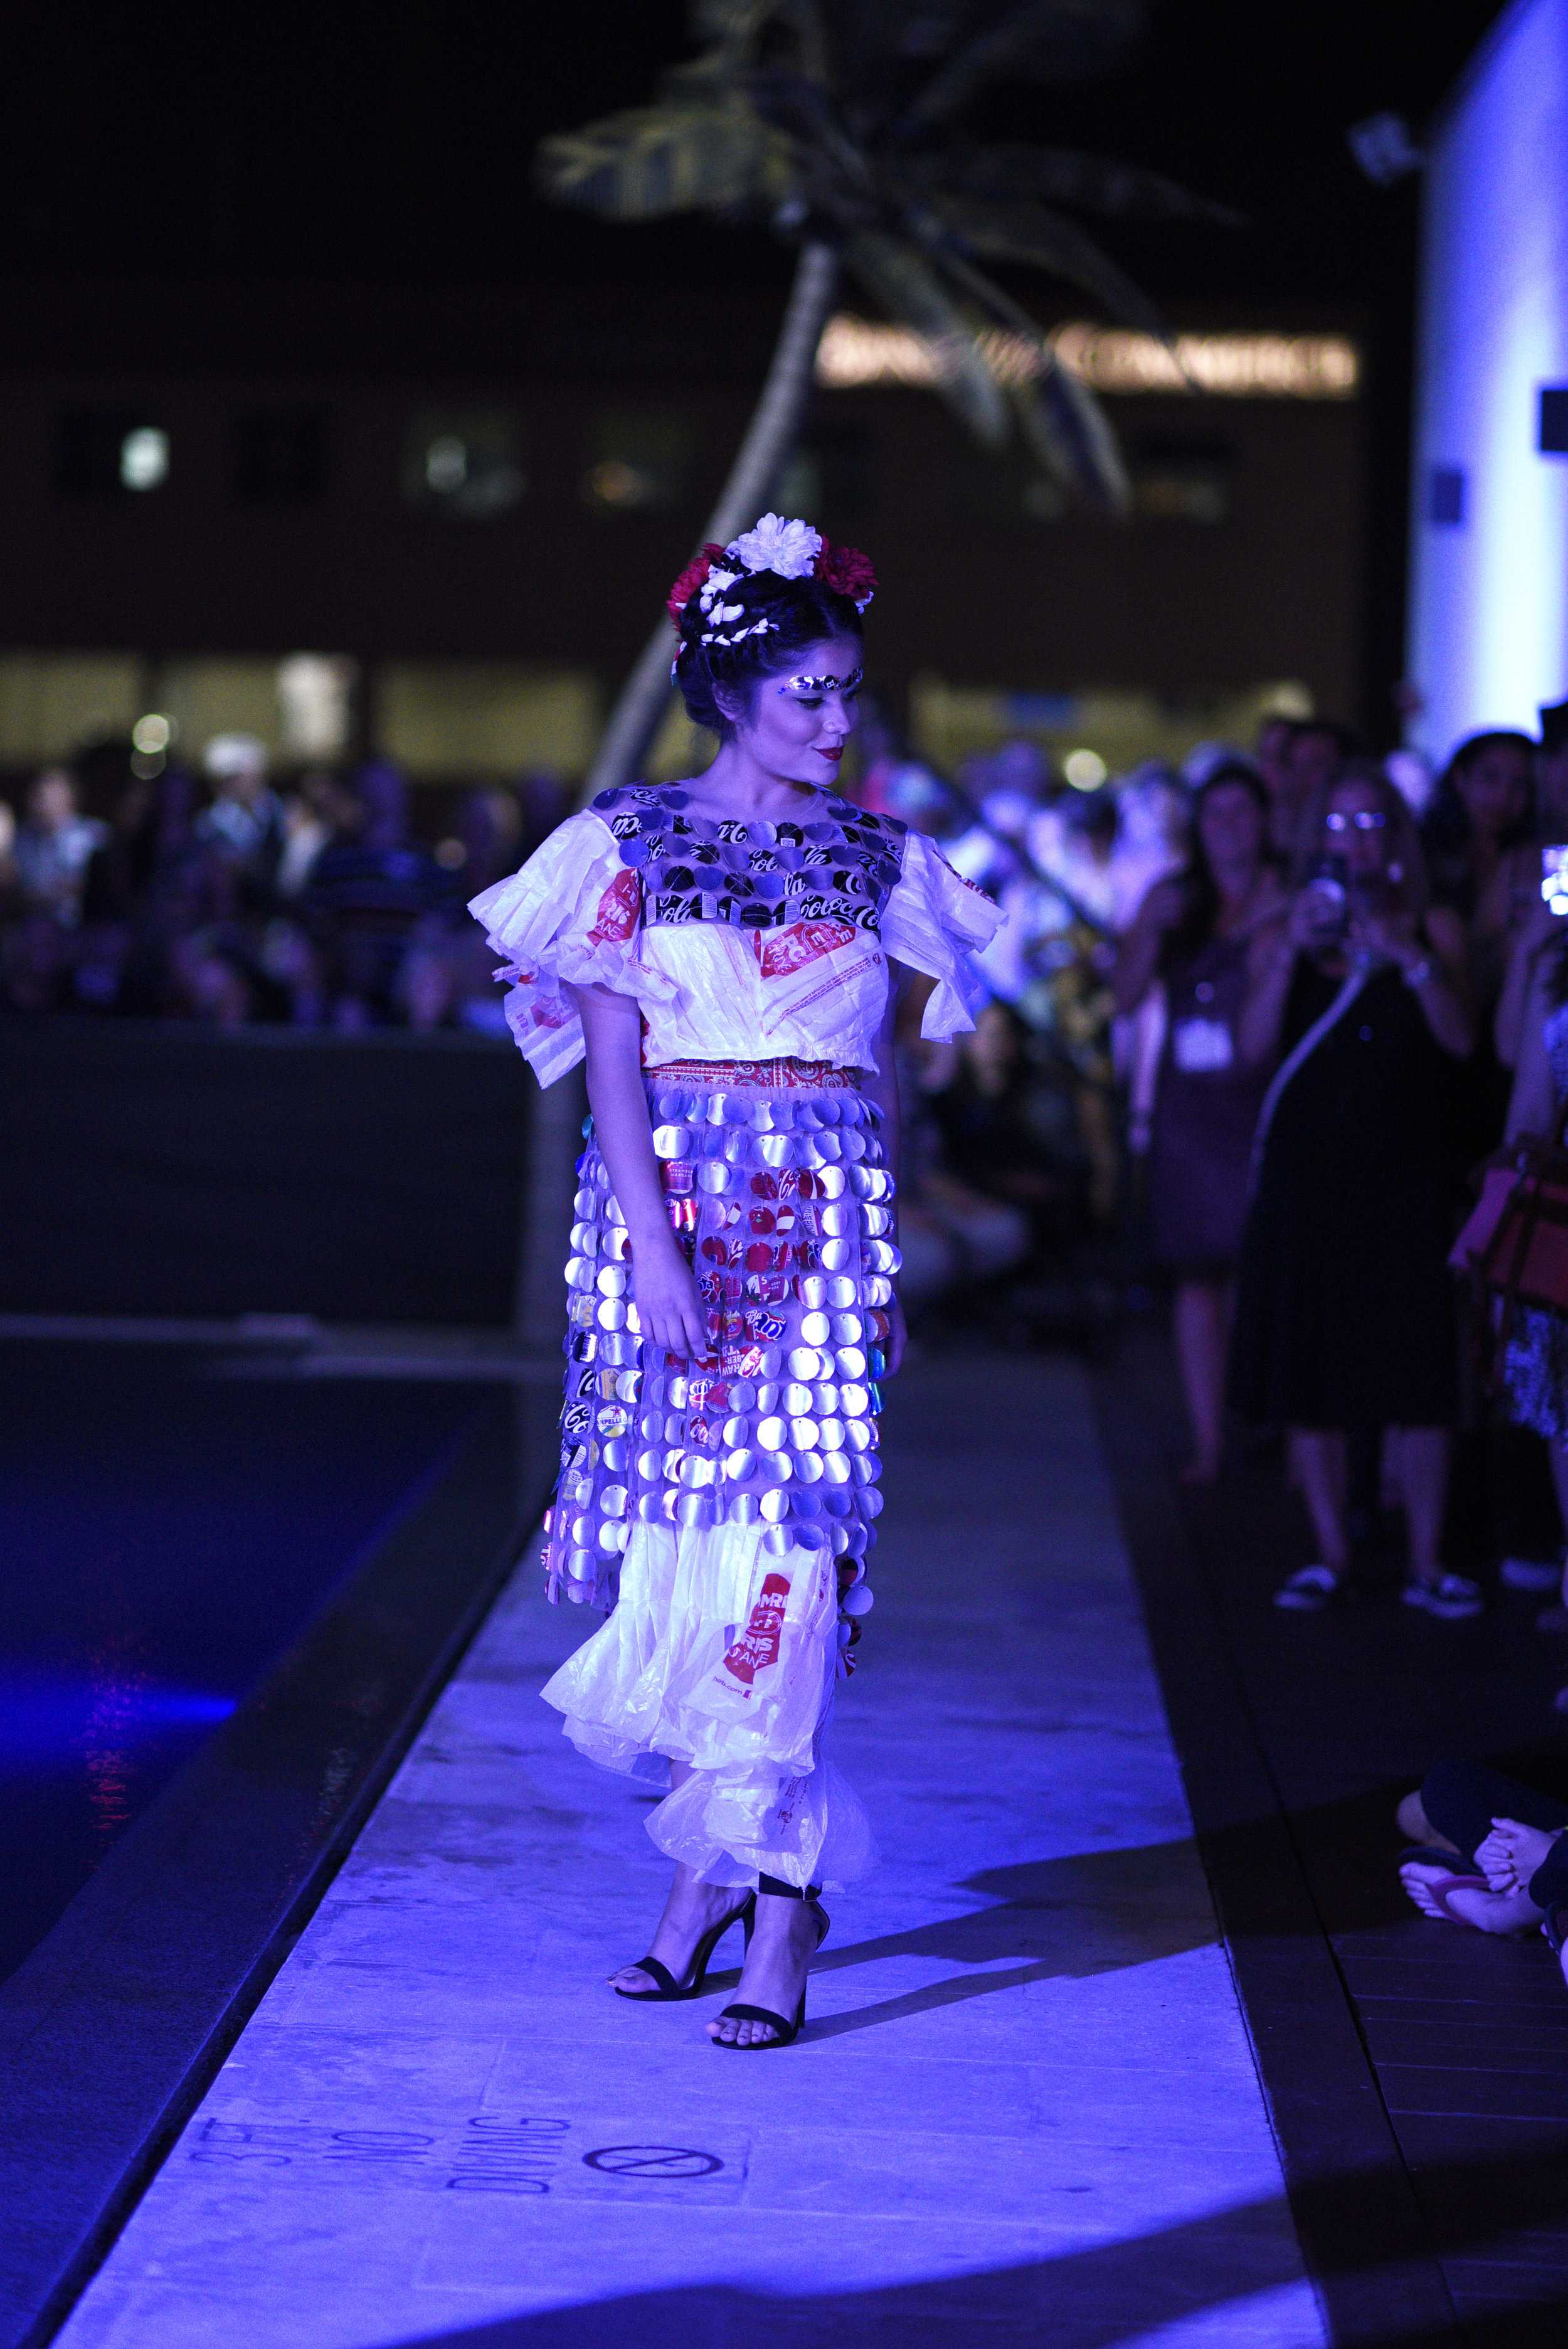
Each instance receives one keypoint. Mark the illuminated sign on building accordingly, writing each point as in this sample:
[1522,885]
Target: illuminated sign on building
[856,352]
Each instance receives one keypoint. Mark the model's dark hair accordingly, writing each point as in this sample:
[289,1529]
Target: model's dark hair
[800,612]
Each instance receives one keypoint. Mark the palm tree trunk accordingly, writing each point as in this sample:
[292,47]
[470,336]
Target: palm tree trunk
[636,716]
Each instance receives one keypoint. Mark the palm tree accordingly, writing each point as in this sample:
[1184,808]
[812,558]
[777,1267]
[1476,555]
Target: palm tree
[837,125]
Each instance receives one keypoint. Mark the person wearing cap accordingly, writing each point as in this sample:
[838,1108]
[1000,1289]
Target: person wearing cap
[244,819]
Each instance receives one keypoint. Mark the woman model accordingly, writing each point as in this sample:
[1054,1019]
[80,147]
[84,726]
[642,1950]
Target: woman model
[726,950]
[1201,933]
[1345,1313]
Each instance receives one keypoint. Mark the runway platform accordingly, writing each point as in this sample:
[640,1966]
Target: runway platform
[1026,2109]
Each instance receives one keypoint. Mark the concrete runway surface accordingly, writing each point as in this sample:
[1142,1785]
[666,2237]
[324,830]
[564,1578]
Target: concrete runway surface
[1025,2111]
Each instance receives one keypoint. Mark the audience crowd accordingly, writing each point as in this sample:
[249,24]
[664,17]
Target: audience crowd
[1254,1024]
[223,899]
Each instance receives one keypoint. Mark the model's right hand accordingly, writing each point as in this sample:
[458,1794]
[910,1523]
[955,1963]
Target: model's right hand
[668,1306]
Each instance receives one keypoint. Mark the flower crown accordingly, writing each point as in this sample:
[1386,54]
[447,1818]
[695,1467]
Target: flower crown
[791,550]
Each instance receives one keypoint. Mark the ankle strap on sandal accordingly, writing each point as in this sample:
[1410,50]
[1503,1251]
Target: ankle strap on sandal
[782,1891]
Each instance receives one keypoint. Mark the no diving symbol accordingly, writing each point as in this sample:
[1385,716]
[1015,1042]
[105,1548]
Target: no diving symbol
[653,2161]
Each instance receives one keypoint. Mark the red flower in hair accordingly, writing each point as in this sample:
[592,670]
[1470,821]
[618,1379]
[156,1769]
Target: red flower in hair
[692,578]
[847,572]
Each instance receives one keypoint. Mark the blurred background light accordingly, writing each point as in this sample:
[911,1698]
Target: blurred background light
[1086,770]
[856,352]
[144,458]
[316,705]
[467,464]
[446,464]
[152,733]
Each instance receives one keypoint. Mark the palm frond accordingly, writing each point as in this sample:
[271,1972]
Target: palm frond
[1061,419]
[667,158]
[733,22]
[900,282]
[1044,40]
[1064,428]
[1039,239]
[1062,175]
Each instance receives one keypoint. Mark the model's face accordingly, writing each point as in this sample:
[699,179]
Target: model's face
[1495,789]
[1230,825]
[798,724]
[1356,828]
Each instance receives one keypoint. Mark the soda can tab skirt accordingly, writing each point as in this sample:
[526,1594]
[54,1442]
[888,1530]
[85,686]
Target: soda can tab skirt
[729,1504]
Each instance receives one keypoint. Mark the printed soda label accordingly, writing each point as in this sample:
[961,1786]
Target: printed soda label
[791,949]
[617,914]
[768,1327]
[758,1645]
[677,1175]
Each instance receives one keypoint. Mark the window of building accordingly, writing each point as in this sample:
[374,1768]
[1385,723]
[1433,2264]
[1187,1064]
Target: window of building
[109,452]
[638,460]
[1182,480]
[443,720]
[466,463]
[53,703]
[279,456]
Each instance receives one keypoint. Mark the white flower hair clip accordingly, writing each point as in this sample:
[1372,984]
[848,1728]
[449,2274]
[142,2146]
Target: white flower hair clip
[788,549]
[737,636]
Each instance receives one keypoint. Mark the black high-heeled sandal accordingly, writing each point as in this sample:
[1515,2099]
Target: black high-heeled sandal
[786,2033]
[691,1983]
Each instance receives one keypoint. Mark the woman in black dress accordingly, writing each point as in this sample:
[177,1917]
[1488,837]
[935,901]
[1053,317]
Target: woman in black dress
[1345,1306]
[1199,933]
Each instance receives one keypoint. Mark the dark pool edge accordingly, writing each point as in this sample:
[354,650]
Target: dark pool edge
[113,2029]
[1367,2249]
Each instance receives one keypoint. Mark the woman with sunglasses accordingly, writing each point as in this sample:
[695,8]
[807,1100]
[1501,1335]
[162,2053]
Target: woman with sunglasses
[1345,1306]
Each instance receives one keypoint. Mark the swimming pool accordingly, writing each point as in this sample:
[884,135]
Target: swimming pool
[165,1535]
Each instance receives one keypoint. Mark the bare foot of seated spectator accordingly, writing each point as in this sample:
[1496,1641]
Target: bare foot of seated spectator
[1440,1893]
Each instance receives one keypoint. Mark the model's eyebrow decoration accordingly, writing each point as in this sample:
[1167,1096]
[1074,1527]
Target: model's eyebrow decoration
[822,684]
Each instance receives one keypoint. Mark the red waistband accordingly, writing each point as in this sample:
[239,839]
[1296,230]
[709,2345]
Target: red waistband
[788,1075]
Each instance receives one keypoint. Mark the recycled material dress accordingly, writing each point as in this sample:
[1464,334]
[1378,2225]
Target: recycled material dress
[723,1510]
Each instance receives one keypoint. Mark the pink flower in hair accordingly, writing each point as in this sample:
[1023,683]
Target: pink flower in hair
[847,572]
[693,578]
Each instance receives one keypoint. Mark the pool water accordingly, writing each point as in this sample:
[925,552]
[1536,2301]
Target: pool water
[165,1535]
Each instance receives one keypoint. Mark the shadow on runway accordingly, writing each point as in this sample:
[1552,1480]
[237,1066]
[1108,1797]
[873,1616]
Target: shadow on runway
[1114,2292]
[1090,1913]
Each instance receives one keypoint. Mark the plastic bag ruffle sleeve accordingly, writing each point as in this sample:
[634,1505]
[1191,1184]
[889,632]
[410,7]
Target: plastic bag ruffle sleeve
[934,922]
[572,916]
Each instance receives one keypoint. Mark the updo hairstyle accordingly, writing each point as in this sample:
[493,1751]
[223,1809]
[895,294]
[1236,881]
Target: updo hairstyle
[799,612]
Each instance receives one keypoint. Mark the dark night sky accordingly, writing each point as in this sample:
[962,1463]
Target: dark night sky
[392,143]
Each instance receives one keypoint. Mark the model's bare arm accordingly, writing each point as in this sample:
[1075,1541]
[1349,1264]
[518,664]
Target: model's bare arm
[882,1089]
[668,1306]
